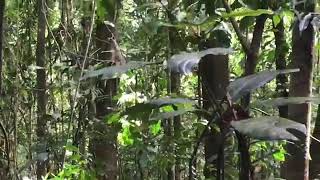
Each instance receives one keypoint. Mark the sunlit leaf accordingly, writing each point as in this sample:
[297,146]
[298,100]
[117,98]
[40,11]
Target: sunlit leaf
[276,19]
[155,128]
[113,118]
[268,128]
[279,156]
[240,12]
[72,148]
[184,63]
[125,137]
[246,84]
[114,71]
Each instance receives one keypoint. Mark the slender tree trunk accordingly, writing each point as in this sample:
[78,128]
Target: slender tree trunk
[296,166]
[253,54]
[41,86]
[280,59]
[314,150]
[2,10]
[176,44]
[4,168]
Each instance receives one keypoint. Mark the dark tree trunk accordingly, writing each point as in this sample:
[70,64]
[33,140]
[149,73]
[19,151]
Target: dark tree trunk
[41,86]
[297,165]
[253,54]
[280,59]
[214,72]
[4,170]
[104,142]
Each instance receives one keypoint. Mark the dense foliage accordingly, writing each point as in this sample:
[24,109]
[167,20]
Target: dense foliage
[159,89]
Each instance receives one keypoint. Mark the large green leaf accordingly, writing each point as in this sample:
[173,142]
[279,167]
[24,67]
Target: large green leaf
[184,63]
[143,110]
[283,101]
[242,12]
[269,128]
[113,71]
[170,101]
[200,23]
[167,115]
[246,84]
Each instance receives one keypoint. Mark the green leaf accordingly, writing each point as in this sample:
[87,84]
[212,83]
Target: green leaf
[268,128]
[276,19]
[283,101]
[101,10]
[125,137]
[167,115]
[279,156]
[143,110]
[170,101]
[184,63]
[240,12]
[72,148]
[139,111]
[113,118]
[246,22]
[113,71]
[75,157]
[246,84]
[155,128]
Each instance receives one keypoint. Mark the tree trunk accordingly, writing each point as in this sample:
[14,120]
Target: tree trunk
[176,45]
[280,59]
[104,143]
[296,165]
[214,70]
[4,170]
[253,54]
[314,150]
[41,87]
[2,10]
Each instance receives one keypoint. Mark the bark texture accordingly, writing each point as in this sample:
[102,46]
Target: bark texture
[280,59]
[254,51]
[104,142]
[296,165]
[2,10]
[214,70]
[41,86]
[314,150]
[4,169]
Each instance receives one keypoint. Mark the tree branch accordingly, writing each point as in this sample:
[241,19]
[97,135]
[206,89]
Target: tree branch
[243,41]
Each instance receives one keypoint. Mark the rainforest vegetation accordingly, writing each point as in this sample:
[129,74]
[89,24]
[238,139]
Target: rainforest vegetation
[159,89]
